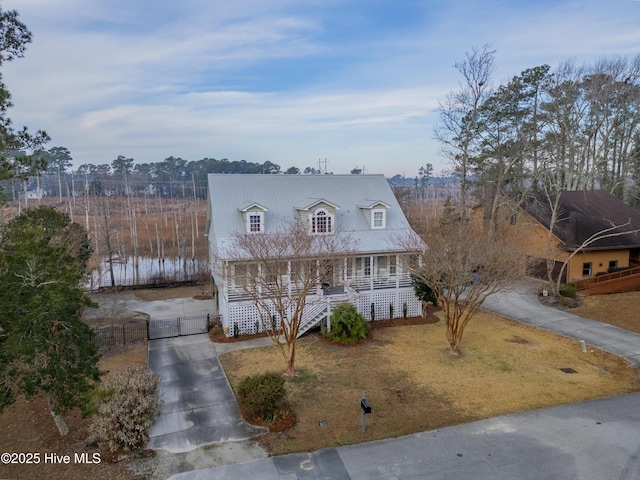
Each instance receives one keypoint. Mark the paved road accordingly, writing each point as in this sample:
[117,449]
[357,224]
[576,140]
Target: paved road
[597,440]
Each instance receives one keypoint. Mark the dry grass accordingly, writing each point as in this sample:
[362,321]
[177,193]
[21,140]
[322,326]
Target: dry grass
[413,385]
[619,309]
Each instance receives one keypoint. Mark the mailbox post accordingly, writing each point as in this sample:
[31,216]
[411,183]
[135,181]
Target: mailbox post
[366,408]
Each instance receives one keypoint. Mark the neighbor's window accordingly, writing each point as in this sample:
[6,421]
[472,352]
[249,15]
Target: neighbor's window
[586,269]
[613,264]
[322,222]
[378,219]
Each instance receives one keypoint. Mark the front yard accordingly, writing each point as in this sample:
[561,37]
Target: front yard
[413,385]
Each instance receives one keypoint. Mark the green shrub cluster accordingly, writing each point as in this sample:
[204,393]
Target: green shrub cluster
[347,325]
[262,395]
[568,290]
[127,406]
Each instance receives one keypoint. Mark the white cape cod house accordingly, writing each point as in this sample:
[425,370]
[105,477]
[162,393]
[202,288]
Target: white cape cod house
[362,207]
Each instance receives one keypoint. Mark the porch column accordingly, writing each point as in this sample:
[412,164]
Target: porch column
[371,271]
[397,272]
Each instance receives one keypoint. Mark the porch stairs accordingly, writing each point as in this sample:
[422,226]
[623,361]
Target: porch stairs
[313,315]
[618,282]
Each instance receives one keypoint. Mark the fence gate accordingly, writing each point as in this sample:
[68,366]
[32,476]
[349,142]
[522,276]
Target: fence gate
[177,327]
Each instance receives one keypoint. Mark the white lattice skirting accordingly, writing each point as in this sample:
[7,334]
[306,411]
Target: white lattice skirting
[247,318]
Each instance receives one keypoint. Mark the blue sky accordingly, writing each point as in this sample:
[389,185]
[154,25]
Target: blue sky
[289,81]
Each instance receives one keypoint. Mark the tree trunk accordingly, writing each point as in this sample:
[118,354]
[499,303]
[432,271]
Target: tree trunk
[57,418]
[291,358]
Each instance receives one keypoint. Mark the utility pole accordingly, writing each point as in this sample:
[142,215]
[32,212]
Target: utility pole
[320,163]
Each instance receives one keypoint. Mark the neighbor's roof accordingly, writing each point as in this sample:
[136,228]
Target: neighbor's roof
[281,195]
[584,213]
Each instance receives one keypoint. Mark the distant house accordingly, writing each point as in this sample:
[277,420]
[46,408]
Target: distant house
[36,194]
[580,215]
[360,206]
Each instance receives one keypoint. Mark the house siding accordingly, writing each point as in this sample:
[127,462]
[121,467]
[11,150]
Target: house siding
[599,261]
[531,238]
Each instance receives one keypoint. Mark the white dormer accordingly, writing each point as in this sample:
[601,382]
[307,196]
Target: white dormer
[320,214]
[253,216]
[375,211]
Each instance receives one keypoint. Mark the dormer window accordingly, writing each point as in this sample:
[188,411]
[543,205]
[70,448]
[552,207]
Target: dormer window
[253,217]
[321,222]
[379,218]
[255,223]
[375,212]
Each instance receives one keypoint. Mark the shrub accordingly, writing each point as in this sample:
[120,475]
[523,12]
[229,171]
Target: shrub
[568,290]
[373,311]
[127,405]
[262,395]
[390,311]
[405,310]
[424,292]
[347,325]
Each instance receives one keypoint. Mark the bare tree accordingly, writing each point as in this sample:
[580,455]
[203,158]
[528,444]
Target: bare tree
[281,272]
[458,128]
[463,267]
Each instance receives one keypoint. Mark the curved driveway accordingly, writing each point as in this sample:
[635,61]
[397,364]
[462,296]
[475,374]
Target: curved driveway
[522,304]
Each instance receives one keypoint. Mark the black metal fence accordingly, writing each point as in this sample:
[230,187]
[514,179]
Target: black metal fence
[125,334]
[128,333]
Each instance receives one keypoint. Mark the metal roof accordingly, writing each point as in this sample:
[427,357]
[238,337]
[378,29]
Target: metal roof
[281,194]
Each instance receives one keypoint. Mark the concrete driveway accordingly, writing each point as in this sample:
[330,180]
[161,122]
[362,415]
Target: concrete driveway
[173,308]
[199,407]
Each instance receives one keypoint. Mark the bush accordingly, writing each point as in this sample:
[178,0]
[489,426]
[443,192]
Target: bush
[424,292]
[262,395]
[568,290]
[127,405]
[347,325]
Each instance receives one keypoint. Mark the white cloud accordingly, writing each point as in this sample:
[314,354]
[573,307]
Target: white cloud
[277,79]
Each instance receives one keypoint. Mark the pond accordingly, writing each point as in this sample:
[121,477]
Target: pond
[140,270]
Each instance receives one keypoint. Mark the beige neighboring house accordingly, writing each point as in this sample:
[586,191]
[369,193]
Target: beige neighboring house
[580,215]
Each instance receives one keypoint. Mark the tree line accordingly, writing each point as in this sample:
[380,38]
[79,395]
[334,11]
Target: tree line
[576,127]
[49,173]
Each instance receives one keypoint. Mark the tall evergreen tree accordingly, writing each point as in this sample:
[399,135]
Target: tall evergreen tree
[45,349]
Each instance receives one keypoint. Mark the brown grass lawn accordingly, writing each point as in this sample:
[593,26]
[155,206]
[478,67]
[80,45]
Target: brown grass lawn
[619,309]
[413,385]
